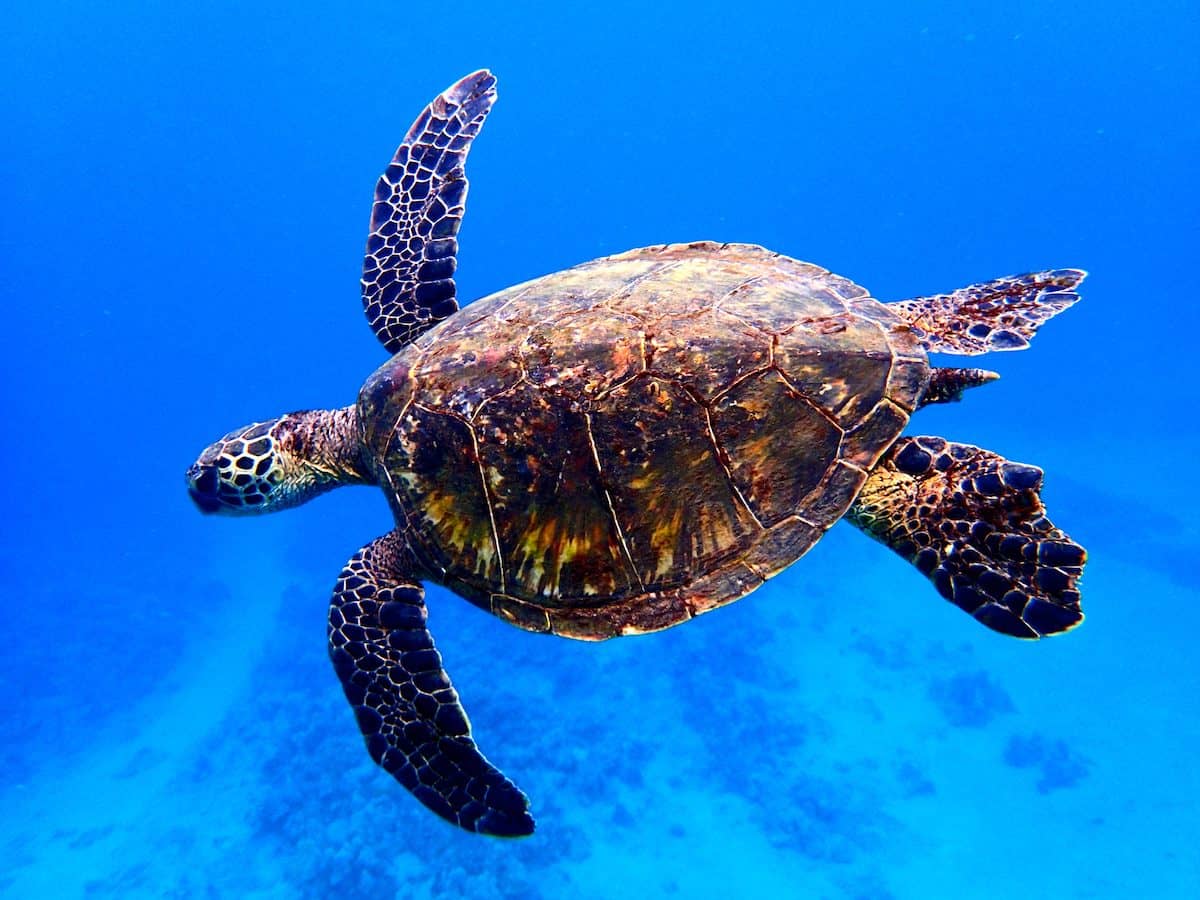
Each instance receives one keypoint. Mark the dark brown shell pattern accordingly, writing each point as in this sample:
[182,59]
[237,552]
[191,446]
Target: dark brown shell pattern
[621,446]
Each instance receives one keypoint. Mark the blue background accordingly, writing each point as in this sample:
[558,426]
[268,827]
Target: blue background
[185,191]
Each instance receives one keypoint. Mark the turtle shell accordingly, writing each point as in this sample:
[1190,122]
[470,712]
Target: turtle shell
[623,445]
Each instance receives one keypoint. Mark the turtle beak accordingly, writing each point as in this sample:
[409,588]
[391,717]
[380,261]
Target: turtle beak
[203,486]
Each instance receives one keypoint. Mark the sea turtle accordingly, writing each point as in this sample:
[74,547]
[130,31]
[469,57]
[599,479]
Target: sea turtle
[619,447]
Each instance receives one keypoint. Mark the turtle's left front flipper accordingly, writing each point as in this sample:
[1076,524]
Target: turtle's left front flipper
[402,697]
[974,523]
[412,249]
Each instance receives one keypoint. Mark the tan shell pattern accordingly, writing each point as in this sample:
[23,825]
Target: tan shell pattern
[626,444]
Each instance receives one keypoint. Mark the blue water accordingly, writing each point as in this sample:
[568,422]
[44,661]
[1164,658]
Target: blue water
[185,194]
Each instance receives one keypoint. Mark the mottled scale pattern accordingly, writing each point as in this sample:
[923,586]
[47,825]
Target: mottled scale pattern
[556,534]
[996,315]
[758,423]
[628,443]
[242,468]
[671,496]
[974,523]
[435,458]
[406,707]
[277,464]
[408,269]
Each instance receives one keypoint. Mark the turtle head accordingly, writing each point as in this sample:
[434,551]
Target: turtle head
[278,464]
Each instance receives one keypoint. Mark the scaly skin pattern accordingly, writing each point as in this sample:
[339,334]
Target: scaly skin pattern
[281,463]
[408,269]
[973,522]
[408,711]
[996,315]
[618,447]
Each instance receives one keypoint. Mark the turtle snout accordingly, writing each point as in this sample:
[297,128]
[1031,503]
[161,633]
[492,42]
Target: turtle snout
[204,486]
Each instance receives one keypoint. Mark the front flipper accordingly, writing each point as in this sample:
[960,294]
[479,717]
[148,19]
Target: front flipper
[407,280]
[405,705]
[996,315]
[974,523]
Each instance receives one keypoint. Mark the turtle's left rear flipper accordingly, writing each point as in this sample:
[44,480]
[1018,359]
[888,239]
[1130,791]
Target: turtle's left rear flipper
[1003,314]
[405,705]
[974,523]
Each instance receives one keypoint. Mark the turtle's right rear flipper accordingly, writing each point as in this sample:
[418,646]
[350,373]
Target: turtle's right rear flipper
[974,523]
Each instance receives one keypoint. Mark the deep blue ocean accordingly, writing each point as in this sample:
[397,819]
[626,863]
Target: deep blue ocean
[185,191]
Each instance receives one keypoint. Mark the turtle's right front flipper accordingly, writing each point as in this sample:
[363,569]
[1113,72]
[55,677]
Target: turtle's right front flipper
[973,522]
[406,707]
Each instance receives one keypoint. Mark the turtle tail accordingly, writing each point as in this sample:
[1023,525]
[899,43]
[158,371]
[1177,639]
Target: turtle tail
[974,524]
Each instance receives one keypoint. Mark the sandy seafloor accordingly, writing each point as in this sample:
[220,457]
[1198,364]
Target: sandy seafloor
[184,196]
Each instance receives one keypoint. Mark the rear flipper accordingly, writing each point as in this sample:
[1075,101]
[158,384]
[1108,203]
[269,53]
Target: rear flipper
[974,523]
[997,315]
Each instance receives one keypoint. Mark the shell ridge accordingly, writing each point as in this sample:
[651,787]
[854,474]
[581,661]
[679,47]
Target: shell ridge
[721,454]
[489,502]
[741,286]
[612,510]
